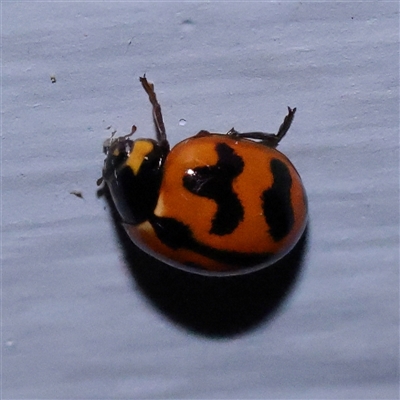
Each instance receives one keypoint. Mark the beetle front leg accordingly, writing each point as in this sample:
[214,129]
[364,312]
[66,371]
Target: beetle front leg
[157,115]
[268,139]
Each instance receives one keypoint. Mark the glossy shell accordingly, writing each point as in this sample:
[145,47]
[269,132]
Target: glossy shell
[226,206]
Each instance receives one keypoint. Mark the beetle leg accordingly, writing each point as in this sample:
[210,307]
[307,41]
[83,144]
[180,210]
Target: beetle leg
[202,133]
[157,115]
[285,124]
[133,130]
[269,139]
[232,132]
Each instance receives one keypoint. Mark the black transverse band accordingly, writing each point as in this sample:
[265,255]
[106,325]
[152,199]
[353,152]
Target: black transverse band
[215,182]
[276,202]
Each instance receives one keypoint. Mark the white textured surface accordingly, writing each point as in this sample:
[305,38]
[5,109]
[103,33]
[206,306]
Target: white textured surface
[75,323]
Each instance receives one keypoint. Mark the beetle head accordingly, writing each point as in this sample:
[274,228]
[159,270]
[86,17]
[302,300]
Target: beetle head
[133,171]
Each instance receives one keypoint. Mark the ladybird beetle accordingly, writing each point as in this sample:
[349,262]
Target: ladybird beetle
[215,204]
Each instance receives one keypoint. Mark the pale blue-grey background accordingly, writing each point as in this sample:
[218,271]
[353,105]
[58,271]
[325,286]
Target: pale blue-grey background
[76,324]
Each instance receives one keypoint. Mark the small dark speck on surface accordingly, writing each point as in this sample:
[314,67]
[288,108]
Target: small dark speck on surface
[77,193]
